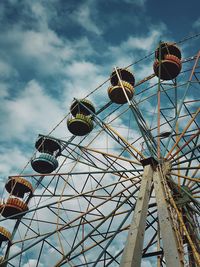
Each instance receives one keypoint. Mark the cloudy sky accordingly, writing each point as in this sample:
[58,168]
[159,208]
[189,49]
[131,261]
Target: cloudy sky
[54,50]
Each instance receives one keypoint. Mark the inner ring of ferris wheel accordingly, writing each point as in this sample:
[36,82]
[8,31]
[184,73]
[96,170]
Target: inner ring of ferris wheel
[79,202]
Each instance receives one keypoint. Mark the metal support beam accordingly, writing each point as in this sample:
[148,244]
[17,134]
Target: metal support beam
[133,249]
[170,245]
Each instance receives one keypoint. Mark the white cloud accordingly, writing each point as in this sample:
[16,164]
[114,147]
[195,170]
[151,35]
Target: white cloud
[81,69]
[12,161]
[83,46]
[32,263]
[31,112]
[13,2]
[43,50]
[143,43]
[6,70]
[146,263]
[39,12]
[83,16]
[196,24]
[139,3]
[136,2]
[3,90]
[40,43]
[83,77]
[136,47]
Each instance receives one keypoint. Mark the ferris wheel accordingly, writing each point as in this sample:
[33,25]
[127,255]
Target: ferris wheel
[123,188]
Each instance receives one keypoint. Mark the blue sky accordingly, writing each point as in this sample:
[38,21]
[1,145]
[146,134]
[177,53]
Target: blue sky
[52,51]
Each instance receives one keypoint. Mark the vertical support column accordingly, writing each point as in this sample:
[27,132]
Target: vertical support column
[133,249]
[170,245]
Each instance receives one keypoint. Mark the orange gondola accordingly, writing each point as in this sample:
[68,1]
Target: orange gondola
[13,207]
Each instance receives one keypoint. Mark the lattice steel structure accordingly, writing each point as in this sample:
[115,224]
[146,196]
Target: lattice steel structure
[123,194]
